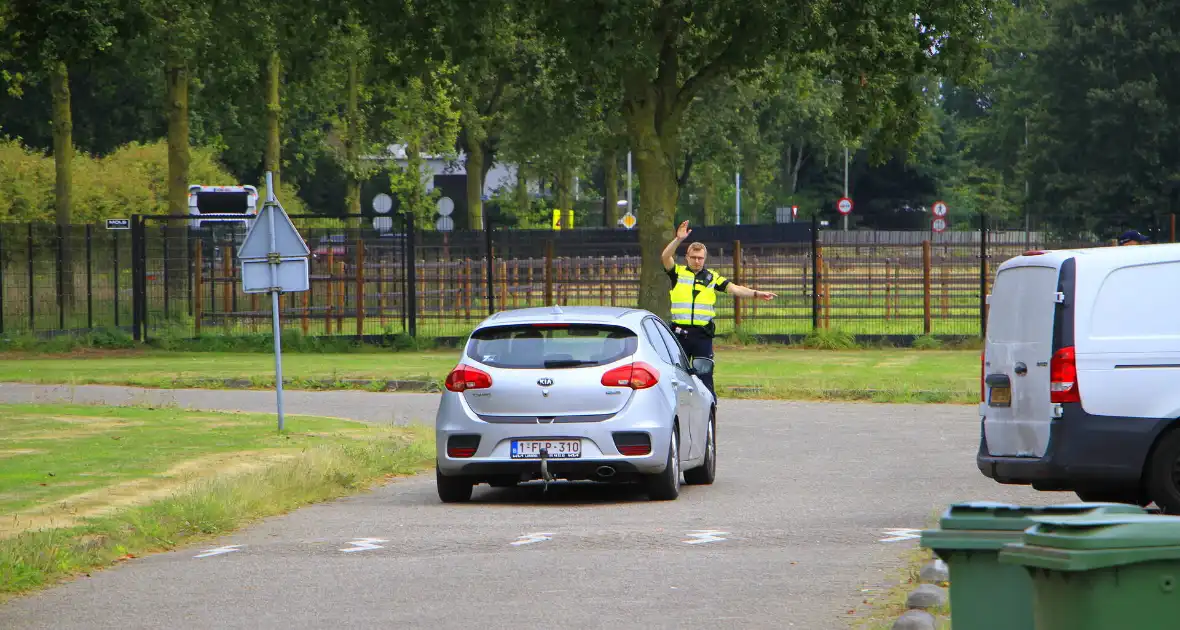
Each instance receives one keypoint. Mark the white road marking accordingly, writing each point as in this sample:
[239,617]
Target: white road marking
[896,534]
[361,544]
[529,539]
[704,536]
[217,551]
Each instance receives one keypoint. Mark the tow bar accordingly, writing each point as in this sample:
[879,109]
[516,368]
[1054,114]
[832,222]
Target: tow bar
[545,469]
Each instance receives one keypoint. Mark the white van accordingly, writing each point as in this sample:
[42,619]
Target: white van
[1080,379]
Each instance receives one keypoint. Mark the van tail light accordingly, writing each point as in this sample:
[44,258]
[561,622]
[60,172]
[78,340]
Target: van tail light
[982,369]
[465,377]
[638,375]
[1063,377]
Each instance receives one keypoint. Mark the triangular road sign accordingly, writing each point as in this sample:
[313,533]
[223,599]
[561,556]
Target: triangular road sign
[288,242]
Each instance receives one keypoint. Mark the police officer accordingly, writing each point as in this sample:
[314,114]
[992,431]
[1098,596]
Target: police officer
[694,296]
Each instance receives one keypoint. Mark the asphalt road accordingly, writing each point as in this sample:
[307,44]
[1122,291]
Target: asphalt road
[805,494]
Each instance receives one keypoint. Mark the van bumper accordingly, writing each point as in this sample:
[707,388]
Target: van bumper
[1085,451]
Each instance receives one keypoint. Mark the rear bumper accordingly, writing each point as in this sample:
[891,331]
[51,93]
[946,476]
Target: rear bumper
[1085,451]
[493,458]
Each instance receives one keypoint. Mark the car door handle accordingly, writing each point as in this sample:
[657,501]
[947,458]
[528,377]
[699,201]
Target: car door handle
[689,388]
[675,383]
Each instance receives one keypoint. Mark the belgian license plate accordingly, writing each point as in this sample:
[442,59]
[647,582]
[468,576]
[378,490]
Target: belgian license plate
[558,449]
[1001,397]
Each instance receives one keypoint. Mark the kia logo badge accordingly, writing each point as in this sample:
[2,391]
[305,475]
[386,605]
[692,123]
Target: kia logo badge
[544,382]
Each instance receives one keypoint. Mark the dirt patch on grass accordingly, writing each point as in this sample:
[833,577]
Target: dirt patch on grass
[69,511]
[14,452]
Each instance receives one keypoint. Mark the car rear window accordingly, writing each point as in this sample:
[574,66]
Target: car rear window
[551,345]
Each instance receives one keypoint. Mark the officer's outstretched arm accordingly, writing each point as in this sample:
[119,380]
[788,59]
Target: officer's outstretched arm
[740,291]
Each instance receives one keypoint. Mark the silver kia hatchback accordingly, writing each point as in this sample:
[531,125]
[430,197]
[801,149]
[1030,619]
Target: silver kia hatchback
[576,393]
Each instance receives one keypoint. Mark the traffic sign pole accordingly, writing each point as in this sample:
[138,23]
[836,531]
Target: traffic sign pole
[274,300]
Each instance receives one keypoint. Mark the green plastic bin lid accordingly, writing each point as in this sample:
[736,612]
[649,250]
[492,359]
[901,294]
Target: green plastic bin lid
[990,515]
[1104,531]
[988,525]
[1083,542]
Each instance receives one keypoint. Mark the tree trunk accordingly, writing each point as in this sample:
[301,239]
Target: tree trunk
[475,172]
[710,181]
[63,142]
[610,188]
[655,156]
[352,189]
[63,155]
[523,206]
[178,149]
[565,189]
[273,111]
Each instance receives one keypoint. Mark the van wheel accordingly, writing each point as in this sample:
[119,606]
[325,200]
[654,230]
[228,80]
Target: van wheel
[1163,474]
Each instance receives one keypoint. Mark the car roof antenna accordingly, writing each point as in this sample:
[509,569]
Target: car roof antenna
[557,310]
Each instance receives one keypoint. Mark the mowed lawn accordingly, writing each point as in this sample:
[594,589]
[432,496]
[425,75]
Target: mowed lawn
[885,375]
[62,462]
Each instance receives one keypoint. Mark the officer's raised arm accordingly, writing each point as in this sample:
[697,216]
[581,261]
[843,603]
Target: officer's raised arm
[669,254]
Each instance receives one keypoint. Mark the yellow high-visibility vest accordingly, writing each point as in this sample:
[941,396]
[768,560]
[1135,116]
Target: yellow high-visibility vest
[693,300]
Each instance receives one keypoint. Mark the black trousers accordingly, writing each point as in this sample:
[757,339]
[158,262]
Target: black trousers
[697,342]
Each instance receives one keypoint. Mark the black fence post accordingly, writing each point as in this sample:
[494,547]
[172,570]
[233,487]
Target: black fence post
[167,276]
[1,283]
[61,301]
[32,286]
[117,272]
[814,272]
[982,275]
[491,266]
[411,278]
[138,292]
[89,279]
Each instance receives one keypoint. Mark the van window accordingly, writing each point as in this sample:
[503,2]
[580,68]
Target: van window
[1137,302]
[1022,305]
[535,346]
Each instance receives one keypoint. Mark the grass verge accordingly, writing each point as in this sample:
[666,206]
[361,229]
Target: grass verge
[887,375]
[149,508]
[887,605]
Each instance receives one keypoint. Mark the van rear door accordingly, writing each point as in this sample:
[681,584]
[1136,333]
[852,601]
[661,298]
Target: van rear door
[1016,407]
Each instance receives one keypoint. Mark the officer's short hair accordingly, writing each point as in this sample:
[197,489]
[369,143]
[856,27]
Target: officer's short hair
[697,247]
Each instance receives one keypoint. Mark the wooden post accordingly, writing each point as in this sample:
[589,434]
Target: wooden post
[737,278]
[926,286]
[198,293]
[331,303]
[549,273]
[467,275]
[227,289]
[340,297]
[360,287]
[306,309]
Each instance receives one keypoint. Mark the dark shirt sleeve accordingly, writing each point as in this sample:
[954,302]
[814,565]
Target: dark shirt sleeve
[672,274]
[721,285]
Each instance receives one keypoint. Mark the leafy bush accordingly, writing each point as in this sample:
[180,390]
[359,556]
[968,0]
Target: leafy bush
[131,180]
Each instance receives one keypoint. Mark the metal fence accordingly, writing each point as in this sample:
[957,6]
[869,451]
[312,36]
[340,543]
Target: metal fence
[166,277]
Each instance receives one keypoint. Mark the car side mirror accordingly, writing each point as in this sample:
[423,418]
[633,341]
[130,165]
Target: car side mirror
[702,366]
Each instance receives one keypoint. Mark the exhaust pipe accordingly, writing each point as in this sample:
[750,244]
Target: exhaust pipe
[605,471]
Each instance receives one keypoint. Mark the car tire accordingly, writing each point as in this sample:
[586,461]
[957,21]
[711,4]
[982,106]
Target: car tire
[1163,474]
[453,489]
[665,486]
[704,474]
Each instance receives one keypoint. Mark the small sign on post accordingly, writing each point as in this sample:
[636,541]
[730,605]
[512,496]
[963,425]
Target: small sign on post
[118,224]
[274,260]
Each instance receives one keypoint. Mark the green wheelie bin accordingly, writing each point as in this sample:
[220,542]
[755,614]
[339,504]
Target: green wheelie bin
[1102,571]
[985,595]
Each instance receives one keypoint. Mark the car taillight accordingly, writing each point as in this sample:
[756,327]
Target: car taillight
[638,375]
[1063,377]
[465,377]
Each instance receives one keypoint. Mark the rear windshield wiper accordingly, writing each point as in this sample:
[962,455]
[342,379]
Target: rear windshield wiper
[559,363]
